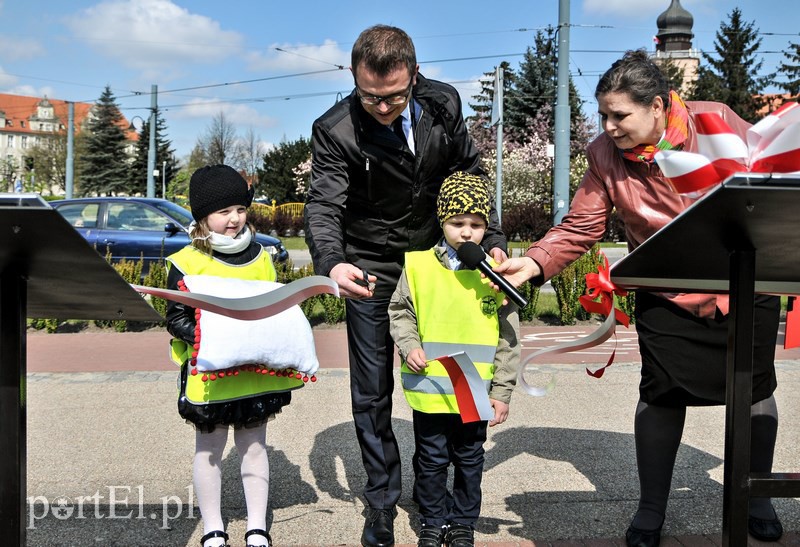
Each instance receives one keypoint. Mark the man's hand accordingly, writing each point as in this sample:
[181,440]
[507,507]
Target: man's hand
[517,270]
[345,275]
[415,360]
[500,412]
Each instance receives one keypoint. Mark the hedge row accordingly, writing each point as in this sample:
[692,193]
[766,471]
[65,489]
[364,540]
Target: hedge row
[568,286]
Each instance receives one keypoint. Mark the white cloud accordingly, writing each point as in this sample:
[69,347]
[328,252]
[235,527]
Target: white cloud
[9,84]
[147,34]
[240,115]
[301,58]
[630,10]
[14,48]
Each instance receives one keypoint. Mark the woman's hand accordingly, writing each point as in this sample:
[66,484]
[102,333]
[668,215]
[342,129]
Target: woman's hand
[517,270]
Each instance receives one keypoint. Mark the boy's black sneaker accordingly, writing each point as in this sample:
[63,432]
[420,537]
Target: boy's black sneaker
[459,535]
[431,536]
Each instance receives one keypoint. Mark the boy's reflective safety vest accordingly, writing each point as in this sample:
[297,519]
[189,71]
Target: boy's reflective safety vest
[456,311]
[190,260]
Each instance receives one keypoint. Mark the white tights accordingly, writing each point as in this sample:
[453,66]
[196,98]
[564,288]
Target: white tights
[252,448]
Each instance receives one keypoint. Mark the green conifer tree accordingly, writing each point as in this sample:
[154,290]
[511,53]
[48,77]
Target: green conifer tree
[731,76]
[104,164]
[791,69]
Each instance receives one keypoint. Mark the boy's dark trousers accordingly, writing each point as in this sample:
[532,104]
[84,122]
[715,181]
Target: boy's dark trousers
[442,439]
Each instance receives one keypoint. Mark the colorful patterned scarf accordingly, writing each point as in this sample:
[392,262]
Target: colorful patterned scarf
[674,136]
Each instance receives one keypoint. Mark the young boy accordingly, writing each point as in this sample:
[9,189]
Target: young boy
[440,308]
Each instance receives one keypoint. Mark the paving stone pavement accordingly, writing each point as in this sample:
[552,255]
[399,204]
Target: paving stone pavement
[109,459]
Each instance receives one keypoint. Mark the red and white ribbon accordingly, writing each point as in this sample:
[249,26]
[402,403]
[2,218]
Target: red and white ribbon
[252,307]
[468,387]
[773,146]
[598,286]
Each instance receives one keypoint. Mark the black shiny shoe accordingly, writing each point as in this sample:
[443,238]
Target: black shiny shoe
[642,538]
[431,536]
[765,529]
[258,532]
[378,528]
[212,535]
[459,535]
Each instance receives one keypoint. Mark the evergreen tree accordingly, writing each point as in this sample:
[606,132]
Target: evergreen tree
[483,134]
[529,96]
[672,72]
[277,178]
[791,69]
[104,163]
[731,76]
[164,152]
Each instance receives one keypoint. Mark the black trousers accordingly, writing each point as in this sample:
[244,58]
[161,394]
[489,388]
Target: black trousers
[442,439]
[371,352]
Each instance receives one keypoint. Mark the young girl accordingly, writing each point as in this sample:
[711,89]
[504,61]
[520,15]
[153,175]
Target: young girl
[223,245]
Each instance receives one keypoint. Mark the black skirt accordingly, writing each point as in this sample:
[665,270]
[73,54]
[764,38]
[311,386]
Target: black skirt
[684,357]
[240,414]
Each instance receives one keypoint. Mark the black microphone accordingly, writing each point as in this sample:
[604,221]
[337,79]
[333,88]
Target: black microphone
[472,256]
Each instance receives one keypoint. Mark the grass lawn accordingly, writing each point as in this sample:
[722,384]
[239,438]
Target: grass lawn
[294,243]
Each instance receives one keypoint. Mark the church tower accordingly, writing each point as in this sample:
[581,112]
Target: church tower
[674,42]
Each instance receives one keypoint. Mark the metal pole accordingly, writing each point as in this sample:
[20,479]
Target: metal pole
[561,164]
[13,402]
[70,173]
[151,150]
[499,173]
[164,179]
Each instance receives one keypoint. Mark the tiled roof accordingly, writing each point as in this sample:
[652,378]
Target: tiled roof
[19,109]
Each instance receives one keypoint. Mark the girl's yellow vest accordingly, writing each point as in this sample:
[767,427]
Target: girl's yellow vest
[456,311]
[189,260]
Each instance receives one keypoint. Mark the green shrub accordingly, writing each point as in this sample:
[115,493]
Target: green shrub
[570,284]
[131,272]
[157,277]
[50,325]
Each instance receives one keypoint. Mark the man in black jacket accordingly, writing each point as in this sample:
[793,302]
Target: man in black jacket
[379,158]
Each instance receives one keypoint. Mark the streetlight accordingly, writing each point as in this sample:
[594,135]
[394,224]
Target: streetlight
[151,151]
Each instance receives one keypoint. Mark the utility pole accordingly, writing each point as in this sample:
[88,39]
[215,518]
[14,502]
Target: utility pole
[151,150]
[70,169]
[497,120]
[561,164]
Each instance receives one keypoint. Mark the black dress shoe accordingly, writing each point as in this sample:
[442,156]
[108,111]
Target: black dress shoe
[431,536]
[765,529]
[378,528]
[642,538]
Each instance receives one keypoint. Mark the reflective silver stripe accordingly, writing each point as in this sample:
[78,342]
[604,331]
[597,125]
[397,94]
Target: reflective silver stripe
[434,385]
[479,353]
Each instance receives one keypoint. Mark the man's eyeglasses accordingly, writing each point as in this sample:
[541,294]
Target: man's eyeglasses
[391,100]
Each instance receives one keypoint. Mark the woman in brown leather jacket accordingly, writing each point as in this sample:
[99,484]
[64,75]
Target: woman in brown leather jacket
[682,337]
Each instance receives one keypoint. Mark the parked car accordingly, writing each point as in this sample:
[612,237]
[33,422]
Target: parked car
[130,228]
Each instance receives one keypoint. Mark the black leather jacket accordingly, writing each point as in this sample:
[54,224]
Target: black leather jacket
[371,199]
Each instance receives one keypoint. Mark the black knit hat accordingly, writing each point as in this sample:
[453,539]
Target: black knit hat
[216,187]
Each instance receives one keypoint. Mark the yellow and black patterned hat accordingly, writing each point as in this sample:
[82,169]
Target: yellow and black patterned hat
[463,193]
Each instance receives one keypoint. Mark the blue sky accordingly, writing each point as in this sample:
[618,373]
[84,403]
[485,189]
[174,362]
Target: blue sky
[274,66]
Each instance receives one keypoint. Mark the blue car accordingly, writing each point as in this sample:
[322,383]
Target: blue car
[131,228]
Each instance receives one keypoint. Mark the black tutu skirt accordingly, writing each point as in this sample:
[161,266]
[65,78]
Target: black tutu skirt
[239,414]
[684,357]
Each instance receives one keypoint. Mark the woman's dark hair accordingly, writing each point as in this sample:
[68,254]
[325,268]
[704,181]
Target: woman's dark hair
[638,76]
[382,49]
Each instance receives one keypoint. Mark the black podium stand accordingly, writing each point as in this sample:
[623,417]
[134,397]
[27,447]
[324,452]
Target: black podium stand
[46,270]
[740,238]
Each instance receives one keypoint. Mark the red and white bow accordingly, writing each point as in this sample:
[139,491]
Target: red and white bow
[773,146]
